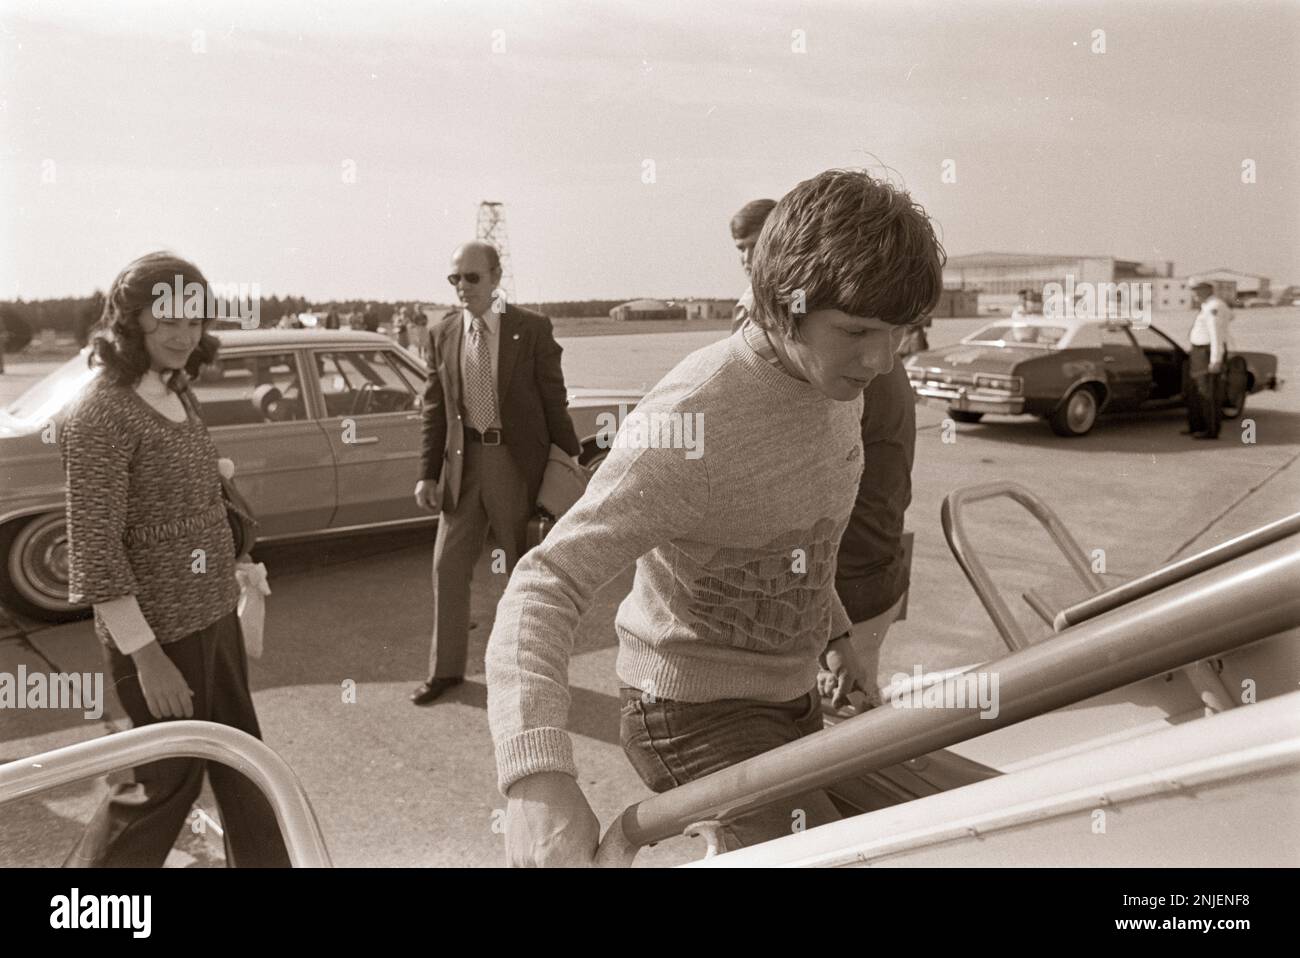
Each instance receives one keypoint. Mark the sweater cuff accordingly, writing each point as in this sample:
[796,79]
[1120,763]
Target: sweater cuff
[532,751]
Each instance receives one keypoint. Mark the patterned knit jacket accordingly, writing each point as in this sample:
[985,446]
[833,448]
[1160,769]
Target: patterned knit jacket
[145,513]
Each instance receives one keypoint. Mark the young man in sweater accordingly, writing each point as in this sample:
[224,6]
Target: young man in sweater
[733,604]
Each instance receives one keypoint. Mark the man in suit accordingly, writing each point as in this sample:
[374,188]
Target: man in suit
[494,404]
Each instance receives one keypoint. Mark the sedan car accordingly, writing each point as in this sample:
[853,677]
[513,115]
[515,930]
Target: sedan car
[1070,371]
[323,428]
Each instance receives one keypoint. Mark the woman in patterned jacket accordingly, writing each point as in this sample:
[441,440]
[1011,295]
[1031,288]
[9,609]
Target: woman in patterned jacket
[151,548]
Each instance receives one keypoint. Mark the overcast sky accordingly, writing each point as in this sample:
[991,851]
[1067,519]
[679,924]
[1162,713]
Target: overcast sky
[227,131]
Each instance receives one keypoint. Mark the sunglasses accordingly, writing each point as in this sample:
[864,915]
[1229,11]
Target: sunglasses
[471,278]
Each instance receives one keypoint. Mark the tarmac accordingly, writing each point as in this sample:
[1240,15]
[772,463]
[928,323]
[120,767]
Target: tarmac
[396,785]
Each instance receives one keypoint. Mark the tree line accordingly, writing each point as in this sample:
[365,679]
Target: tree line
[77,315]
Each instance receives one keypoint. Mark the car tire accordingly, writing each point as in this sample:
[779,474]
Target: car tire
[34,574]
[960,415]
[592,456]
[1077,414]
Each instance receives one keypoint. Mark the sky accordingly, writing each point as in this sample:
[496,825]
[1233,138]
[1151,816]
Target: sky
[340,150]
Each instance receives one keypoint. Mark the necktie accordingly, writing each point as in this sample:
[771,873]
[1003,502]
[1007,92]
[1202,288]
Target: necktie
[480,389]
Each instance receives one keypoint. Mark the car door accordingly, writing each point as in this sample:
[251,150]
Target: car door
[372,423]
[1127,369]
[1166,358]
[255,406]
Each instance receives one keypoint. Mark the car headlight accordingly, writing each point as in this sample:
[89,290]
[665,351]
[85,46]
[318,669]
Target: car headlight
[1005,384]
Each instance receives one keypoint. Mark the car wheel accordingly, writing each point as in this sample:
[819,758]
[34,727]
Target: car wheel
[592,456]
[1236,387]
[1077,415]
[34,582]
[960,415]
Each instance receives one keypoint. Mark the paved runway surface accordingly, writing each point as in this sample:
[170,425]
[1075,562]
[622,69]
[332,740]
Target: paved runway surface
[397,785]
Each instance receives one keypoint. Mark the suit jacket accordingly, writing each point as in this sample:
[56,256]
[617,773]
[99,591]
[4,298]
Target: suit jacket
[530,397]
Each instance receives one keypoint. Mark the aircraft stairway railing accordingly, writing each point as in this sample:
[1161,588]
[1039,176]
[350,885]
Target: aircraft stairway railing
[1101,598]
[1230,605]
[303,840]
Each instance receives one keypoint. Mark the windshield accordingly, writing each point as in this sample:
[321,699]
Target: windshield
[51,394]
[1018,334]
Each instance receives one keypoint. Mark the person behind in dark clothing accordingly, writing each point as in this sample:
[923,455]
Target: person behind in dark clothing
[872,570]
[370,319]
[746,226]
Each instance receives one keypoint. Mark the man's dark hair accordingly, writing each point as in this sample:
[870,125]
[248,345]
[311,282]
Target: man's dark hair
[750,218]
[117,343]
[844,240]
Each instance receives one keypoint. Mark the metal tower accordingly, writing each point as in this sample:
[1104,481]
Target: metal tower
[492,229]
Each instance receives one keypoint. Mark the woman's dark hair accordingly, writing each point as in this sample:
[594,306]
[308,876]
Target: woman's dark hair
[117,342]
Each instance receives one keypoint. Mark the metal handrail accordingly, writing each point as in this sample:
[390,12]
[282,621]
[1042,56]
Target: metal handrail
[1231,605]
[1159,578]
[951,515]
[183,739]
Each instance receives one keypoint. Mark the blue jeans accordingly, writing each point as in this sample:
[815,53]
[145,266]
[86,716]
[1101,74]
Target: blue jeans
[672,743]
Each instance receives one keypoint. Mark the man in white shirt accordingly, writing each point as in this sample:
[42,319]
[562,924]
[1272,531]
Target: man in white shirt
[1209,340]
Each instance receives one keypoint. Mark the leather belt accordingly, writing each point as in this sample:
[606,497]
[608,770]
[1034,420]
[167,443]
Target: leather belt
[490,437]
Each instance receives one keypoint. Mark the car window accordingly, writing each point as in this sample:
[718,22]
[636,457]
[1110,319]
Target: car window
[1019,334]
[1116,337]
[237,390]
[363,383]
[1148,338]
[1086,337]
[49,395]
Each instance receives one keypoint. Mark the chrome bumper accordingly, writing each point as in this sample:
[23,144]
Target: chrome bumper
[965,399]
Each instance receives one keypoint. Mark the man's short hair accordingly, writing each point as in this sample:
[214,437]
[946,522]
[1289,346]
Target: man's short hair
[750,218]
[844,240]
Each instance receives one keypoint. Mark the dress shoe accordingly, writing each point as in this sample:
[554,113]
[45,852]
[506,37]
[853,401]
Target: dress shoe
[426,693]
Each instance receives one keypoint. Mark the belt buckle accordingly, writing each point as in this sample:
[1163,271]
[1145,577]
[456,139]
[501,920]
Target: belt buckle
[491,437]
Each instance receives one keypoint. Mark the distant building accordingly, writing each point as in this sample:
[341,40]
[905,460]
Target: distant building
[647,309]
[1225,289]
[999,277]
[1170,294]
[709,308]
[957,302]
[1247,285]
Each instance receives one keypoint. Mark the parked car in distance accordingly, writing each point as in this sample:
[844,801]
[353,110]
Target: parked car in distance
[323,427]
[1071,371]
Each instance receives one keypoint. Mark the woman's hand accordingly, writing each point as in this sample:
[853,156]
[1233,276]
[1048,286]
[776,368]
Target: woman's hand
[226,467]
[166,692]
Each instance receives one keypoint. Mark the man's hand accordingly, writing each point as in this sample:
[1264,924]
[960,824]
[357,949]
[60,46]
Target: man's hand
[426,495]
[845,671]
[1216,368]
[549,823]
[166,692]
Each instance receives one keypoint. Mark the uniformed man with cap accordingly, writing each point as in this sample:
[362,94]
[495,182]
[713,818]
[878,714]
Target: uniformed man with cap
[1209,339]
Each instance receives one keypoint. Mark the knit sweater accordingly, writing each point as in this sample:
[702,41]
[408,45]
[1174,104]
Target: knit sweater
[145,513]
[734,544]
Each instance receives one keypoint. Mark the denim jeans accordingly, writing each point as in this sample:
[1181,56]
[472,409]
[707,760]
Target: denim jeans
[672,743]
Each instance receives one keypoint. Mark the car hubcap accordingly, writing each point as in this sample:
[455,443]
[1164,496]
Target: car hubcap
[43,562]
[1081,412]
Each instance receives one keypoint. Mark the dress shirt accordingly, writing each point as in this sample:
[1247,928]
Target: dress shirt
[1211,327]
